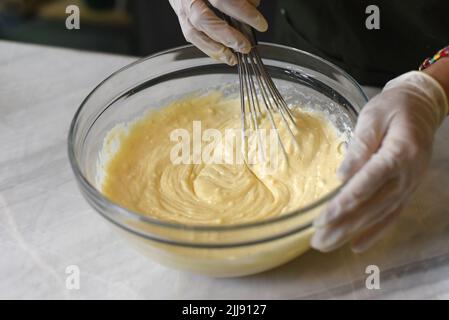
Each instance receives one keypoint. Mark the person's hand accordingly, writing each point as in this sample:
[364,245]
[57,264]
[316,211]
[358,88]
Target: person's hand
[385,162]
[213,35]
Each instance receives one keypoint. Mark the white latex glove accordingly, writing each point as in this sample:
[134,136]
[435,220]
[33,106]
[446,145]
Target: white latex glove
[385,162]
[213,35]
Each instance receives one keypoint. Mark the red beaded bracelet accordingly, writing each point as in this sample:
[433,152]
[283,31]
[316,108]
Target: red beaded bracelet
[443,53]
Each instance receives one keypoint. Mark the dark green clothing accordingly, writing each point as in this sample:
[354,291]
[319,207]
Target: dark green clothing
[410,31]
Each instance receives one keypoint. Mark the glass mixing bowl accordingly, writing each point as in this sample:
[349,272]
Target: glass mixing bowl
[222,251]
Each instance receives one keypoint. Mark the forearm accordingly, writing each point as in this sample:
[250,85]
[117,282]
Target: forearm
[440,72]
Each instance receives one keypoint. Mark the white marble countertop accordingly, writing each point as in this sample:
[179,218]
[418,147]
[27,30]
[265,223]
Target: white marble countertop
[45,224]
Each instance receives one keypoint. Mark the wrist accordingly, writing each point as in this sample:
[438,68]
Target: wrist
[440,72]
[428,88]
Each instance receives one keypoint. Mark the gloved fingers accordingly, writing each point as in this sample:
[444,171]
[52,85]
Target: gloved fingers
[244,11]
[255,3]
[176,5]
[213,49]
[367,212]
[204,19]
[368,134]
[370,236]
[361,187]
[331,238]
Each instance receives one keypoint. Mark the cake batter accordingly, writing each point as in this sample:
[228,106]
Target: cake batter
[142,177]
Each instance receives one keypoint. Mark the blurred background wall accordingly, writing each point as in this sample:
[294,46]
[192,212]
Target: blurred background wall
[132,27]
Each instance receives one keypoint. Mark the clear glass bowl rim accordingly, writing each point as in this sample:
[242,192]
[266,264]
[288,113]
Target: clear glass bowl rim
[92,192]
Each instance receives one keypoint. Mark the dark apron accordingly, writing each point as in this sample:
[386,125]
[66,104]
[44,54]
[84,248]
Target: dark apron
[410,31]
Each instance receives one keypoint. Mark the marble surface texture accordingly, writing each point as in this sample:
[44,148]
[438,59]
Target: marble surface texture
[45,224]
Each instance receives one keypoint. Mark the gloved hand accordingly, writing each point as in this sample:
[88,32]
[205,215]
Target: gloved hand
[213,35]
[385,162]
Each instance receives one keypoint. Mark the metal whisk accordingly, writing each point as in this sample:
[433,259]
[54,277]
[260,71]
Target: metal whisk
[258,93]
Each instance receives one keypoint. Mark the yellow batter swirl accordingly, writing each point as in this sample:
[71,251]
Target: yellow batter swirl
[140,175]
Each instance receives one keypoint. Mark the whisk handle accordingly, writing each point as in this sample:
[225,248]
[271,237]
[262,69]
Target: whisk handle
[244,28]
